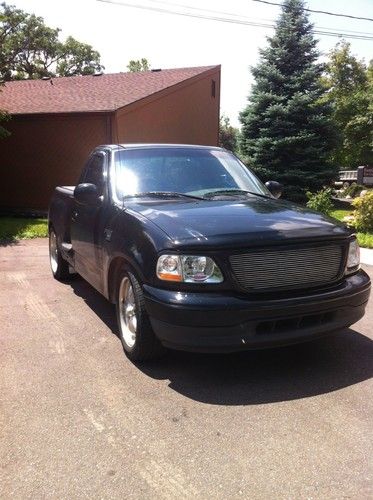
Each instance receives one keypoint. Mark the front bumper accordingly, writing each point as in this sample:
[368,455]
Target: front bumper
[219,322]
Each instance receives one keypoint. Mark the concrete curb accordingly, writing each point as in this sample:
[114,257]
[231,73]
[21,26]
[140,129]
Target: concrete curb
[366,256]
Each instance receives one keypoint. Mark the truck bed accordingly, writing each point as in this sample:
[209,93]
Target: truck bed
[66,190]
[59,215]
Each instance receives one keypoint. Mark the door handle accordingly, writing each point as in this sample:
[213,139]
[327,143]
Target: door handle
[74,215]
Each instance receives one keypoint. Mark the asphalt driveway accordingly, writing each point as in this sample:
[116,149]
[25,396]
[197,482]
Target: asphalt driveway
[78,420]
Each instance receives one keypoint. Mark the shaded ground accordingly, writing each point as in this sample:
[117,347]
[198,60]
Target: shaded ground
[78,420]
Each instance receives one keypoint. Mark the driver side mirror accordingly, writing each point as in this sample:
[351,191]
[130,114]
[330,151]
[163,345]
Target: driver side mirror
[87,194]
[275,188]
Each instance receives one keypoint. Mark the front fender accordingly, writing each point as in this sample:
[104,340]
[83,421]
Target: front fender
[135,241]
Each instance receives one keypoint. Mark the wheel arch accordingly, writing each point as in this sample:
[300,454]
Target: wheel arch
[118,262]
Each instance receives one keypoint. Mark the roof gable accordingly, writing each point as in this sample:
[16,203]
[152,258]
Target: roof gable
[79,94]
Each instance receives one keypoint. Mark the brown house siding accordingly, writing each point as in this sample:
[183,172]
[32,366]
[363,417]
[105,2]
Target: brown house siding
[47,150]
[43,152]
[188,114]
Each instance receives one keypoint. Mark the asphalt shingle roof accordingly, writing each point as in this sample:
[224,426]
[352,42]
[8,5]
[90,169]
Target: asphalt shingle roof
[106,92]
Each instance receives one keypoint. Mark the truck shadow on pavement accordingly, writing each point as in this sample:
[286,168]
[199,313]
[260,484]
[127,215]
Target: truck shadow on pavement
[254,377]
[5,242]
[271,375]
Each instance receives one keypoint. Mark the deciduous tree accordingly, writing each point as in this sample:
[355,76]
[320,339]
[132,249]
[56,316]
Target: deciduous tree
[30,49]
[350,91]
[138,65]
[228,135]
[3,117]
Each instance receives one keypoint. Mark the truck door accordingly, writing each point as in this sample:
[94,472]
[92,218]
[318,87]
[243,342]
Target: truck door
[87,223]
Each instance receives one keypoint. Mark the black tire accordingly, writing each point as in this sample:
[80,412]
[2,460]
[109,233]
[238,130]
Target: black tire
[142,344]
[59,266]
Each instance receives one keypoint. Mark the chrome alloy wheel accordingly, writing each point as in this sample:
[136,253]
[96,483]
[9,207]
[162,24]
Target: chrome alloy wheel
[127,312]
[53,251]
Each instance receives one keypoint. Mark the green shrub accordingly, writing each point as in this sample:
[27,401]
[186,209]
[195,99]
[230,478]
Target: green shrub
[353,190]
[364,212]
[321,201]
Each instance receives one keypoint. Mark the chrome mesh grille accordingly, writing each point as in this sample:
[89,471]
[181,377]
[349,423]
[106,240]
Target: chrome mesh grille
[270,269]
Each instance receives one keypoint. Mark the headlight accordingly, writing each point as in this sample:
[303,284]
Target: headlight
[353,259]
[188,269]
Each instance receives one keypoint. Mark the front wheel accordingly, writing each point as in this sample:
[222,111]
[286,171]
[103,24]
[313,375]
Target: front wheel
[136,334]
[59,266]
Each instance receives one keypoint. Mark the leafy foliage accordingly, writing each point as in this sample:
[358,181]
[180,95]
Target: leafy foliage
[321,201]
[138,65]
[287,133]
[350,91]
[364,212]
[3,117]
[228,135]
[352,190]
[30,49]
[365,239]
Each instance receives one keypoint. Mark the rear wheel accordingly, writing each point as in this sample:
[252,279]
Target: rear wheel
[136,334]
[59,266]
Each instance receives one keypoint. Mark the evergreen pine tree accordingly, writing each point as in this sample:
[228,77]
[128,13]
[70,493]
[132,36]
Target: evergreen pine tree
[287,133]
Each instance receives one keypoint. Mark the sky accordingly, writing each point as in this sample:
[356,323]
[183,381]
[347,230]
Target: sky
[121,33]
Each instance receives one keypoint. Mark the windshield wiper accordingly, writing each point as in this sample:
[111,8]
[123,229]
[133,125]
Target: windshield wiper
[163,194]
[218,192]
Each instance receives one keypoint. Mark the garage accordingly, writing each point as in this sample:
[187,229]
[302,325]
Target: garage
[55,123]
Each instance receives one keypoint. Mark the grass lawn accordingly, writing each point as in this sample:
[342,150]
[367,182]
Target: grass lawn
[365,239]
[19,228]
[339,214]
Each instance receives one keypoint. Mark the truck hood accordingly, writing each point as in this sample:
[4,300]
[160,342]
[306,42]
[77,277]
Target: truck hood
[237,222]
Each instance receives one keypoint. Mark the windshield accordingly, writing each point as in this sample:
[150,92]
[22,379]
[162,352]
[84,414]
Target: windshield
[182,170]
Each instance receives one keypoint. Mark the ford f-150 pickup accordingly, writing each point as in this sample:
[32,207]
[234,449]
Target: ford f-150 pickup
[198,254]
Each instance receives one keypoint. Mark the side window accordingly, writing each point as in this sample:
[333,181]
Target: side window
[95,172]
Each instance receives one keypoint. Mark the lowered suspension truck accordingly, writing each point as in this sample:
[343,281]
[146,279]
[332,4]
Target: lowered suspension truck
[199,255]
